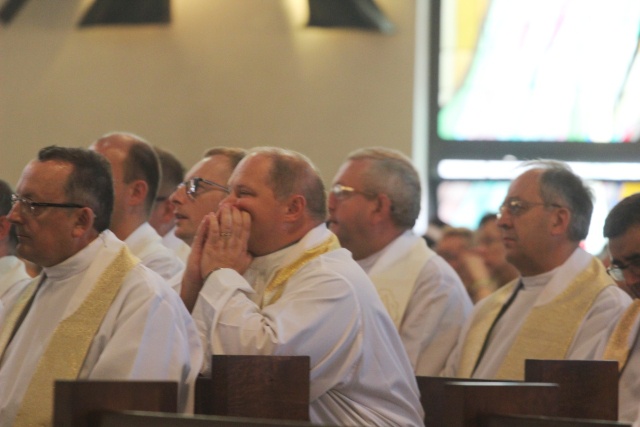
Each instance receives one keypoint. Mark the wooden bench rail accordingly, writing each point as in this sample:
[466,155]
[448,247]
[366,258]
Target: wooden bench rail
[458,403]
[272,387]
[588,388]
[74,401]
[531,421]
[155,419]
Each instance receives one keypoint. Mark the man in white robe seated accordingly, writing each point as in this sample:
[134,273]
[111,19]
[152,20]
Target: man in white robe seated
[268,278]
[12,269]
[373,205]
[201,193]
[162,218]
[136,174]
[95,312]
[622,228]
[564,301]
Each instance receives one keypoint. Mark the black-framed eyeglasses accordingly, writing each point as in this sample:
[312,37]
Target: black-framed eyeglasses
[31,207]
[342,192]
[617,270]
[191,186]
[517,207]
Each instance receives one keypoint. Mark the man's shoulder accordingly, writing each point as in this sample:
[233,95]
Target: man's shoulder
[143,280]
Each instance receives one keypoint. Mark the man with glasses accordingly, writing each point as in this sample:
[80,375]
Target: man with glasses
[266,277]
[201,193]
[12,269]
[373,206]
[136,175]
[622,228]
[162,218]
[95,312]
[564,300]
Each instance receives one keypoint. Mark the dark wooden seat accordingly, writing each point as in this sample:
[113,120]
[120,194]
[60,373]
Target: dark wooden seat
[76,401]
[152,419]
[432,396]
[453,402]
[531,421]
[272,387]
[588,388]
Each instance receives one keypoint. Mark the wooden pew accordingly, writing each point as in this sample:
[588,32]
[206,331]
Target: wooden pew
[588,388]
[530,421]
[452,402]
[75,401]
[154,419]
[272,387]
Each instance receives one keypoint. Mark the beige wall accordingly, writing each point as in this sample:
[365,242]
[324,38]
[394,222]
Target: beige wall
[224,72]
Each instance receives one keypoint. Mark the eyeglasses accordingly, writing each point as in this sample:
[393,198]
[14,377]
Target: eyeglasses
[342,192]
[617,270]
[192,185]
[517,207]
[32,208]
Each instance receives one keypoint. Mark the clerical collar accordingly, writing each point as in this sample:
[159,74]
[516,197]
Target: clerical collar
[538,281]
[76,263]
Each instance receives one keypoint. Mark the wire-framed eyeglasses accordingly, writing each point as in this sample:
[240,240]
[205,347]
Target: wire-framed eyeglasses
[34,208]
[517,207]
[617,270]
[343,191]
[192,185]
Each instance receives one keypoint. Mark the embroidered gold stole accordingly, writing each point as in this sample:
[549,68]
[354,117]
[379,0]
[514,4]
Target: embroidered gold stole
[548,330]
[619,346]
[16,313]
[70,343]
[395,282]
[276,286]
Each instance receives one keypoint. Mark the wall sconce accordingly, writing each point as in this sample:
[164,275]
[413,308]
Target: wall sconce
[348,13]
[131,12]
[9,10]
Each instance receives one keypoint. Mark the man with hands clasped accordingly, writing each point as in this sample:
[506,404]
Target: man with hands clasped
[266,277]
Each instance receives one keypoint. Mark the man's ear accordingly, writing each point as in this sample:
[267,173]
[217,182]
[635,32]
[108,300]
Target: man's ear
[560,221]
[295,207]
[383,207]
[84,221]
[138,191]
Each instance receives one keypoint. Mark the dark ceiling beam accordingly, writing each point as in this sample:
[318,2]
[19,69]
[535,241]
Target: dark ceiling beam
[9,10]
[127,12]
[348,13]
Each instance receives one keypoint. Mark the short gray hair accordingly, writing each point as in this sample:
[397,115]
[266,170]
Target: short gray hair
[392,173]
[293,173]
[560,185]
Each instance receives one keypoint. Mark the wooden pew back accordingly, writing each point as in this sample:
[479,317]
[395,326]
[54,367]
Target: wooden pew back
[588,388]
[150,419]
[76,401]
[529,421]
[272,387]
[453,402]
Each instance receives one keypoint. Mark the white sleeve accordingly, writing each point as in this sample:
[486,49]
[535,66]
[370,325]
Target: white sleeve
[434,317]
[607,308]
[317,315]
[147,335]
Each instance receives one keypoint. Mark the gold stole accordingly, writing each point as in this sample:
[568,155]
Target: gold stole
[14,315]
[478,331]
[395,283]
[618,346]
[548,330]
[70,342]
[275,288]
